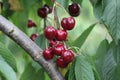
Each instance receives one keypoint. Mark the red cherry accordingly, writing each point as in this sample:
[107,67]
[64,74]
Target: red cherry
[58,48]
[67,56]
[61,35]
[52,43]
[31,24]
[68,23]
[50,32]
[61,63]
[42,12]
[33,36]
[47,53]
[74,9]
[48,9]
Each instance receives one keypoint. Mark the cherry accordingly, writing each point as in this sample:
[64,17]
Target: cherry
[42,12]
[74,9]
[58,48]
[67,56]
[61,35]
[52,43]
[31,24]
[47,53]
[50,32]
[68,23]
[33,36]
[61,63]
[48,9]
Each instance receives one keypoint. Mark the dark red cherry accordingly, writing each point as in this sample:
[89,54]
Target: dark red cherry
[42,12]
[31,24]
[48,8]
[58,48]
[68,23]
[50,32]
[47,53]
[67,56]
[61,35]
[61,63]
[52,43]
[74,9]
[33,36]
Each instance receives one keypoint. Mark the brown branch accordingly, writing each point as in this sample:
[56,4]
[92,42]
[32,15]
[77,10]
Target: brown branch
[30,47]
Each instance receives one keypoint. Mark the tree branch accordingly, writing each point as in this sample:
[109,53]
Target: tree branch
[30,47]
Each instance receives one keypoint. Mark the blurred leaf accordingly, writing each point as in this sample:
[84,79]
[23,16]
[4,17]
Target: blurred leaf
[31,74]
[83,70]
[6,70]
[41,41]
[108,12]
[6,12]
[81,39]
[64,3]
[111,66]
[8,56]
[77,1]
[15,5]
[48,2]
[100,55]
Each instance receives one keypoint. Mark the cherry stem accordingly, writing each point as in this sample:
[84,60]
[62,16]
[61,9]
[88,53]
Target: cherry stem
[44,23]
[55,15]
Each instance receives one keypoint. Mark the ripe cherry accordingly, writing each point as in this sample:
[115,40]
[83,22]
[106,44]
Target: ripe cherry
[50,32]
[58,48]
[42,12]
[33,36]
[61,63]
[68,23]
[48,8]
[52,43]
[31,24]
[67,56]
[47,53]
[61,35]
[74,9]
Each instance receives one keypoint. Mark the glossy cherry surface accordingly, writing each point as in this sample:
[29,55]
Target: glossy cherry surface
[68,23]
[50,32]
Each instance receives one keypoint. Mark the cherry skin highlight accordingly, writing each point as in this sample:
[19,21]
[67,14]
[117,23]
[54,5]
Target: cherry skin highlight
[74,9]
[68,23]
[67,56]
[50,32]
[47,53]
[61,35]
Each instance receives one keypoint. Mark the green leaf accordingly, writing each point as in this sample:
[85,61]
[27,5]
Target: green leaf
[71,75]
[109,14]
[83,70]
[111,63]
[64,3]
[81,39]
[6,70]
[30,73]
[100,55]
[41,41]
[77,1]
[8,56]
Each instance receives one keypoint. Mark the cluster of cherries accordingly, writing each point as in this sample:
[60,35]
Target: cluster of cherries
[56,37]
[56,46]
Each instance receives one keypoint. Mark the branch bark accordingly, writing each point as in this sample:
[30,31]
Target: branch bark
[30,47]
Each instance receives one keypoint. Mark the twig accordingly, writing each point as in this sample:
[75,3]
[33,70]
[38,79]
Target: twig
[30,47]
